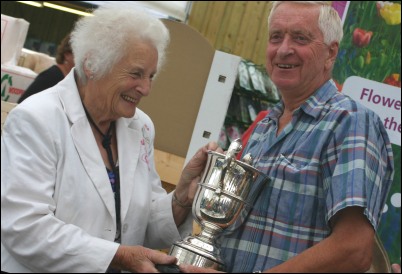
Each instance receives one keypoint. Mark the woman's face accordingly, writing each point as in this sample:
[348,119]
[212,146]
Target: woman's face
[118,93]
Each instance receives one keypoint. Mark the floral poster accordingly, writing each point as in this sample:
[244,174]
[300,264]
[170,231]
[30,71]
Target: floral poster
[371,49]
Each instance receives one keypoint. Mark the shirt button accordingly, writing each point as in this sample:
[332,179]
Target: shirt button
[125,226]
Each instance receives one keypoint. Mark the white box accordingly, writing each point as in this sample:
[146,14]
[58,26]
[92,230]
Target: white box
[13,34]
[14,82]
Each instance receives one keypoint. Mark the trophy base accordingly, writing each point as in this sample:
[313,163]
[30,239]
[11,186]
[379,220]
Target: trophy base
[193,251]
[167,268]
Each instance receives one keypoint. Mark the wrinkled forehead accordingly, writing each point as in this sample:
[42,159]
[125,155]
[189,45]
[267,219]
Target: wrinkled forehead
[296,18]
[141,54]
[291,9]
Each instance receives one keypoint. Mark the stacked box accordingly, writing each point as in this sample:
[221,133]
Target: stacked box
[14,81]
[13,34]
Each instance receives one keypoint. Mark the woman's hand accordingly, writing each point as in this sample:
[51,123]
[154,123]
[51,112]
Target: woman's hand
[191,173]
[187,186]
[139,259]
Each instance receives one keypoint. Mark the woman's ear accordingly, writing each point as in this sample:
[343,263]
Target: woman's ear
[88,69]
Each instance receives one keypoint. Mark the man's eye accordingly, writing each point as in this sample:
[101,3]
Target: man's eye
[301,39]
[275,38]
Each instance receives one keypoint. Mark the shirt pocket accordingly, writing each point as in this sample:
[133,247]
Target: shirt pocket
[295,188]
[285,169]
[296,167]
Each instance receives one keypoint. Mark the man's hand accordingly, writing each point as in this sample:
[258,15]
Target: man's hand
[396,268]
[187,186]
[195,269]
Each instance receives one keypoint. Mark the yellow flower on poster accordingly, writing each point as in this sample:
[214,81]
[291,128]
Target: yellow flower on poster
[391,12]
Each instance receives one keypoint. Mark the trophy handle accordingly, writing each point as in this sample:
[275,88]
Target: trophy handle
[234,148]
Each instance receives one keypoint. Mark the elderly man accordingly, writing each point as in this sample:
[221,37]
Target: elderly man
[329,158]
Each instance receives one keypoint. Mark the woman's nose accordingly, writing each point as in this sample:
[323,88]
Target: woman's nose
[144,87]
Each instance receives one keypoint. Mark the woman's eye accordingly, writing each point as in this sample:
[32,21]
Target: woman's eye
[136,75]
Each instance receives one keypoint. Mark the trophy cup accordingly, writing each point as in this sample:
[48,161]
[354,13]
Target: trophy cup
[225,195]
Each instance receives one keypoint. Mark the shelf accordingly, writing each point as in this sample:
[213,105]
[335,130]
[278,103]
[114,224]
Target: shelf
[169,167]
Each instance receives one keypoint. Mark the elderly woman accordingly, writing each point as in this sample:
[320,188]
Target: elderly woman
[79,189]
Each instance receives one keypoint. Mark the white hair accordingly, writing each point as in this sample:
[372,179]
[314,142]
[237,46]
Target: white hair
[329,21]
[100,41]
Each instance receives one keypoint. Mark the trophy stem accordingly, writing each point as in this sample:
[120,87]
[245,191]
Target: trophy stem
[209,231]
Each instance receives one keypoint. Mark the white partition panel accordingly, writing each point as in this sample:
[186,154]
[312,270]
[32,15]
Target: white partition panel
[215,101]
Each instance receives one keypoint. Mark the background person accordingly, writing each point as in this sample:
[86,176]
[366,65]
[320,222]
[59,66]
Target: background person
[51,76]
[79,189]
[329,158]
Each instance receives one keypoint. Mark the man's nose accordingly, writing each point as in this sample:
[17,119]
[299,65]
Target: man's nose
[286,47]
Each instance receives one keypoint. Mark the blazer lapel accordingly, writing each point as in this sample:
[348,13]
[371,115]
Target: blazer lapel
[92,161]
[84,141]
[128,146]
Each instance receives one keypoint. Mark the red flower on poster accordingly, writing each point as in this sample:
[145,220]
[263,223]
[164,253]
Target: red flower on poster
[361,37]
[393,80]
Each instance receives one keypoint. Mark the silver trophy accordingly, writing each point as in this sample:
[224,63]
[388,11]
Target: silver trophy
[225,195]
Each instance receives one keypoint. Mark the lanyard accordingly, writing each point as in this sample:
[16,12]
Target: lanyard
[106,141]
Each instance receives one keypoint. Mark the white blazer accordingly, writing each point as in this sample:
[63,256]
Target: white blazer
[57,205]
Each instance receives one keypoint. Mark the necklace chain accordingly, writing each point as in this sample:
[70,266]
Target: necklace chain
[106,138]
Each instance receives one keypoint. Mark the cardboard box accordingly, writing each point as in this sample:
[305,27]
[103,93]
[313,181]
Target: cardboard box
[190,96]
[13,34]
[35,61]
[14,82]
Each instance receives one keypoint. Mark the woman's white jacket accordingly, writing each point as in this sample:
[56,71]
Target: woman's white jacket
[57,205]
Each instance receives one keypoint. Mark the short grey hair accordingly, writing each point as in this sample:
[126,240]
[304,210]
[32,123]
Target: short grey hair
[99,42]
[329,21]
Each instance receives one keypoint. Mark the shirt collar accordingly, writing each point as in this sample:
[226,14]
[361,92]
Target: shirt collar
[313,105]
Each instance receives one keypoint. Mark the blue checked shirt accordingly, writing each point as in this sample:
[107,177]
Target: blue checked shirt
[333,154]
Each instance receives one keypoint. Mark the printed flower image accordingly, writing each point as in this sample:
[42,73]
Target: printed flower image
[371,45]
[393,80]
[361,37]
[391,12]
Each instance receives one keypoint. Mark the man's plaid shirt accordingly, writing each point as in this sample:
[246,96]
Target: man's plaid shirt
[335,153]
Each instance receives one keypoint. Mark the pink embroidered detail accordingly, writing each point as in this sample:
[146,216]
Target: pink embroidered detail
[145,145]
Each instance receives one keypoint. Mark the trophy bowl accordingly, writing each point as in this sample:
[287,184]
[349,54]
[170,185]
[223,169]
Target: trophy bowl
[225,195]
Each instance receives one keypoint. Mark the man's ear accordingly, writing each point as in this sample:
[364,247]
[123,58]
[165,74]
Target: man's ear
[333,53]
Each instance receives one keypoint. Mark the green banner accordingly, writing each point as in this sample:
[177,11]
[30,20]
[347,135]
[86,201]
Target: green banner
[371,49]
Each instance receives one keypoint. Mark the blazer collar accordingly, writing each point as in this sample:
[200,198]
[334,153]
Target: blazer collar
[128,144]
